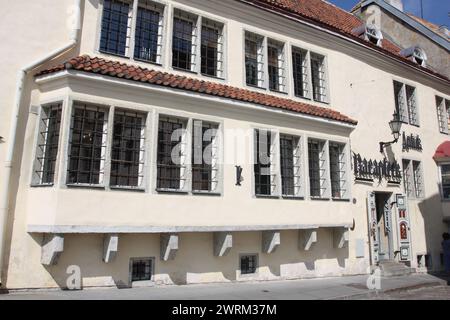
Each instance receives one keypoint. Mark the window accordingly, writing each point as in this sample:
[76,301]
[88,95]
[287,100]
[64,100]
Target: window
[318,77]
[275,55]
[300,72]
[443,113]
[254,60]
[148,34]
[116,27]
[212,48]
[413,178]
[290,153]
[406,103]
[184,41]
[87,145]
[317,168]
[248,264]
[171,157]
[264,167]
[338,170]
[127,158]
[47,149]
[141,269]
[445,180]
[373,34]
[204,156]
[419,57]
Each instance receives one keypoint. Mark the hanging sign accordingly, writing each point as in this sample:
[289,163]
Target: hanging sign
[411,142]
[370,169]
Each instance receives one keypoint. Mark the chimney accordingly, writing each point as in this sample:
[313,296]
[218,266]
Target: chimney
[396,4]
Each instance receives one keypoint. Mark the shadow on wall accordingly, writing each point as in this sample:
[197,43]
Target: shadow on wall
[194,261]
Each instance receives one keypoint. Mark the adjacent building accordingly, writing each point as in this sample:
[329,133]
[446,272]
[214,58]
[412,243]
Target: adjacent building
[190,141]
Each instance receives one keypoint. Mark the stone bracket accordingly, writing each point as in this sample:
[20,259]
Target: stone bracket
[52,247]
[169,246]
[340,237]
[270,241]
[223,242]
[307,238]
[110,247]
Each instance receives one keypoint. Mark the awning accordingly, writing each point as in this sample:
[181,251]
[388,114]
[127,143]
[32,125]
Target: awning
[442,152]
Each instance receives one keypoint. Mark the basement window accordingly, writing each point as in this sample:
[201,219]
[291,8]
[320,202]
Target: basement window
[248,264]
[141,269]
[87,146]
[47,148]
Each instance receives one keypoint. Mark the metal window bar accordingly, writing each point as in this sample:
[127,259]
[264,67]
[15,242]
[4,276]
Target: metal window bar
[317,171]
[445,175]
[170,172]
[116,27]
[408,179]
[264,167]
[418,179]
[290,157]
[205,156]
[318,77]
[337,170]
[127,155]
[412,105]
[47,148]
[87,145]
[300,73]
[212,48]
[249,264]
[148,34]
[141,270]
[275,56]
[254,60]
[184,41]
[400,101]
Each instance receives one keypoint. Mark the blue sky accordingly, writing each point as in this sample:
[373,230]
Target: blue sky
[436,11]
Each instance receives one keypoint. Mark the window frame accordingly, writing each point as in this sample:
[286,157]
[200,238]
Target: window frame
[440,177]
[221,47]
[411,180]
[307,85]
[300,177]
[261,56]
[326,194]
[152,270]
[325,85]
[246,274]
[443,114]
[402,95]
[344,180]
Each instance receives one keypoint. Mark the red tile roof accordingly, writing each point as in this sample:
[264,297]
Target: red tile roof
[129,72]
[336,19]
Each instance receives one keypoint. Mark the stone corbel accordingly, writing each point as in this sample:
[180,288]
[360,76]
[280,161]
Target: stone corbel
[110,247]
[270,241]
[307,238]
[52,247]
[169,246]
[340,237]
[223,242]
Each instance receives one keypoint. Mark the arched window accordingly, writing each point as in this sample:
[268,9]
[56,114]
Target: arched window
[419,56]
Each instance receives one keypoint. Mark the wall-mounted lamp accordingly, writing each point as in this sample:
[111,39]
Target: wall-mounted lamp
[239,177]
[395,125]
[1,139]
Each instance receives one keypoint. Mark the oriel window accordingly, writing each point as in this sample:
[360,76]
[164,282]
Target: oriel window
[127,158]
[87,145]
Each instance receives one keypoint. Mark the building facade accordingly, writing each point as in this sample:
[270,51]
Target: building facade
[287,103]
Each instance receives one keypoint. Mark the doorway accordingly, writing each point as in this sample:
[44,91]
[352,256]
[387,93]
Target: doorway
[384,225]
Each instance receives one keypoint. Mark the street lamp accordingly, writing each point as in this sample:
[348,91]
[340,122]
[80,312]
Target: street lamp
[395,125]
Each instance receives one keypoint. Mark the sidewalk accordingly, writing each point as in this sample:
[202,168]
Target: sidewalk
[353,287]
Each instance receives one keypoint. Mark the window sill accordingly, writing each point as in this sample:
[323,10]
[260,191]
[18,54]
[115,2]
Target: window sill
[302,97]
[114,54]
[340,199]
[184,70]
[266,196]
[125,188]
[255,87]
[159,190]
[42,185]
[319,199]
[147,61]
[87,186]
[324,102]
[287,197]
[206,193]
[212,77]
[278,91]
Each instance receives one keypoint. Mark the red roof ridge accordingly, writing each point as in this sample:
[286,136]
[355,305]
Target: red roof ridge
[126,71]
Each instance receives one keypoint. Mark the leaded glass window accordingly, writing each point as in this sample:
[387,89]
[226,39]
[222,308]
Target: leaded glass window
[290,155]
[148,34]
[275,55]
[254,60]
[116,27]
[318,77]
[264,163]
[338,170]
[184,41]
[300,72]
[317,168]
[212,48]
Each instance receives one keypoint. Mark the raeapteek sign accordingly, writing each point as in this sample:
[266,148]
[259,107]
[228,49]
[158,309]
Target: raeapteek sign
[369,170]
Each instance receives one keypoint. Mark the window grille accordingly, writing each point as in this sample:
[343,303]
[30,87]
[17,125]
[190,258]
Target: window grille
[443,113]
[184,41]
[254,60]
[290,153]
[300,72]
[318,77]
[141,269]
[338,170]
[418,179]
[445,180]
[317,169]
[275,55]
[148,34]
[87,145]
[264,166]
[408,178]
[171,170]
[412,105]
[47,149]
[212,48]
[116,27]
[249,264]
[400,103]
[205,170]
[127,158]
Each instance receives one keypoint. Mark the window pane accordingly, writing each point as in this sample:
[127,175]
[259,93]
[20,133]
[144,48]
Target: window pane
[249,264]
[299,72]
[337,170]
[400,103]
[147,40]
[87,145]
[251,62]
[127,158]
[412,107]
[275,62]
[142,270]
[182,43]
[318,77]
[115,24]
[262,165]
[317,171]
[211,35]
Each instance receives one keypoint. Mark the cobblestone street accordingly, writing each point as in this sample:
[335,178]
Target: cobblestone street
[433,293]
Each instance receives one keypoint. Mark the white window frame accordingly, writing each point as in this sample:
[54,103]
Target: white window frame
[373,32]
[220,27]
[323,81]
[411,102]
[343,170]
[195,38]
[306,68]
[411,179]
[298,166]
[441,186]
[324,169]
[281,48]
[261,44]
[443,114]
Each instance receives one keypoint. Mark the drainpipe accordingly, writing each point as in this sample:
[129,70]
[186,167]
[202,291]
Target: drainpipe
[21,77]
